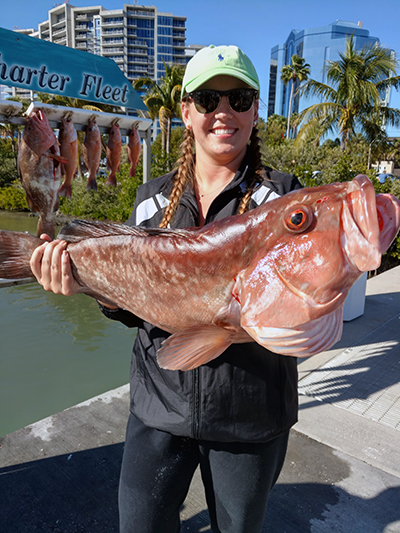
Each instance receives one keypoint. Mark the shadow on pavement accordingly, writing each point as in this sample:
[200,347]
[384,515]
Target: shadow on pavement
[77,493]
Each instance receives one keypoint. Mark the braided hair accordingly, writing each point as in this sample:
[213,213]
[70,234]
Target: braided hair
[185,174]
[183,177]
[259,172]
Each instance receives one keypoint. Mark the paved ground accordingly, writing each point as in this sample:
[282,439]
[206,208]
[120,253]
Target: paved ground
[342,472]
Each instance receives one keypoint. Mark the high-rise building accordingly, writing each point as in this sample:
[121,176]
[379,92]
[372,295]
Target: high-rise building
[138,38]
[316,46]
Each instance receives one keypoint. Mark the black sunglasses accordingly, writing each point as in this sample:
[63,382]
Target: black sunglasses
[208,100]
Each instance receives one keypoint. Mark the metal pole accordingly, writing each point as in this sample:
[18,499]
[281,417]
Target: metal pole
[146,155]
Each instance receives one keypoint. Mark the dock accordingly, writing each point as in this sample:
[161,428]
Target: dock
[342,470]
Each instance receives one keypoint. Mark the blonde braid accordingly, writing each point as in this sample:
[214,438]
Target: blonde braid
[182,178]
[259,172]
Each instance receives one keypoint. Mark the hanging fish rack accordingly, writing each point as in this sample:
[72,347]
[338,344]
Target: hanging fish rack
[10,113]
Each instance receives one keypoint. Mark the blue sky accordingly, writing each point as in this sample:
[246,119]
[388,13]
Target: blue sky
[253,25]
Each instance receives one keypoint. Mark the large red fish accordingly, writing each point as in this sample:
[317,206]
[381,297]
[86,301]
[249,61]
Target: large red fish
[113,152]
[133,149]
[91,153]
[278,274]
[68,140]
[39,165]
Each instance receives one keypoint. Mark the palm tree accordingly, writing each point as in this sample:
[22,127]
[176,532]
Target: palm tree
[297,71]
[163,98]
[353,100]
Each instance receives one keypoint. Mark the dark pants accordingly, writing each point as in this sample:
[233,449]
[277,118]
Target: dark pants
[157,469]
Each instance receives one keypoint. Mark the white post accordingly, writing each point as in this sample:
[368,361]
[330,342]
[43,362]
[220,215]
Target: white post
[146,155]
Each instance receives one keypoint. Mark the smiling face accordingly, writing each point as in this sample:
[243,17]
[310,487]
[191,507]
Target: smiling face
[221,137]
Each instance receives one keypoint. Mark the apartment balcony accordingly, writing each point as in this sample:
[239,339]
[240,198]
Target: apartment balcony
[112,42]
[137,61]
[56,21]
[81,46]
[60,40]
[117,59]
[136,53]
[139,71]
[113,22]
[137,42]
[147,14]
[181,24]
[81,26]
[106,51]
[60,31]
[113,31]
[82,36]
[82,16]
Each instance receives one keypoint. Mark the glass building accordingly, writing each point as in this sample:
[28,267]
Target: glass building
[316,46]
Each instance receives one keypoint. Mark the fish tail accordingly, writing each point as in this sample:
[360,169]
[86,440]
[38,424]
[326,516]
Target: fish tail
[46,225]
[15,252]
[112,180]
[91,185]
[65,190]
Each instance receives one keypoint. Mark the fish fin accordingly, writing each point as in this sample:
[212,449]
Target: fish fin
[65,190]
[91,185]
[192,347]
[78,230]
[59,158]
[16,249]
[111,180]
[46,225]
[304,340]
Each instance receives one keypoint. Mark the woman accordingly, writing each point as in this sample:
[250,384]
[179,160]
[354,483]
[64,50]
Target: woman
[231,416]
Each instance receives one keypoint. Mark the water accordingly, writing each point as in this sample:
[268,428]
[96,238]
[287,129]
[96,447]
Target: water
[54,351]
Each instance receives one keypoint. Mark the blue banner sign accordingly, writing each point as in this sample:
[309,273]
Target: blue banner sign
[41,66]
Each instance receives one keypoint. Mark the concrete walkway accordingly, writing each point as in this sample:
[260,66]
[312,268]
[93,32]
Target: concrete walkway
[342,472]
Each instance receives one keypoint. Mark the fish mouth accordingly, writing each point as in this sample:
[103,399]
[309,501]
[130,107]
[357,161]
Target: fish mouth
[370,222]
[38,117]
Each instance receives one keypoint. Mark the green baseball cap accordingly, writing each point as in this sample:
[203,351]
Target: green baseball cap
[215,61]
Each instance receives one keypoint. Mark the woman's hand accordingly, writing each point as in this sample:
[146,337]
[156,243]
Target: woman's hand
[50,264]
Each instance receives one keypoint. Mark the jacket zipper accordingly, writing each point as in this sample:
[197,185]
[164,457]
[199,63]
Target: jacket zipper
[196,403]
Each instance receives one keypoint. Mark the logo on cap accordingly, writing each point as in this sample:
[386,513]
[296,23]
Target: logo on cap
[220,57]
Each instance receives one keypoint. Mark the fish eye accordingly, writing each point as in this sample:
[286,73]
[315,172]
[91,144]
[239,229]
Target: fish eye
[298,219]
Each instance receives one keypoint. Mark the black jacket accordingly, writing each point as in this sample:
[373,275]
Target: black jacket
[248,394]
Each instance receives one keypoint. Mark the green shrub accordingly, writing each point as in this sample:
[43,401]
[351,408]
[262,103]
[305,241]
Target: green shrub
[12,198]
[8,166]
[108,202]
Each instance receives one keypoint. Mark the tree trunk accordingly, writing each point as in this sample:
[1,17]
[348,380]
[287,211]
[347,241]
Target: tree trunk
[290,109]
[168,145]
[343,144]
[163,139]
